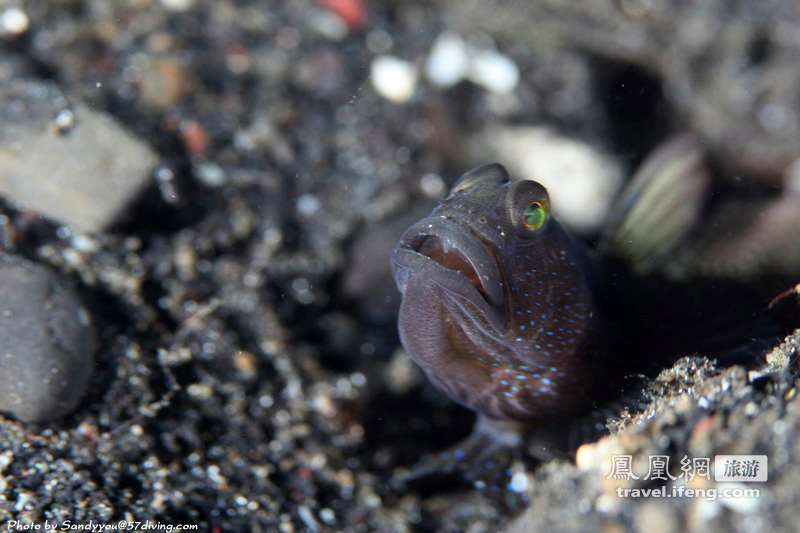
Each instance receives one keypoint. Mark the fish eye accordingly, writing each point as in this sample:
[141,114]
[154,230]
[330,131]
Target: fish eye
[535,215]
[527,207]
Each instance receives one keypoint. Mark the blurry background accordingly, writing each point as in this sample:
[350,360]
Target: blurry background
[221,182]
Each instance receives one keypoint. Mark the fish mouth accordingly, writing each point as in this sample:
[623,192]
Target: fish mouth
[452,256]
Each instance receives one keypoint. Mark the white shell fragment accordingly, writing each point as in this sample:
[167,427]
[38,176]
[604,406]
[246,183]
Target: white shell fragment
[13,21]
[452,60]
[178,5]
[448,61]
[393,78]
[494,71]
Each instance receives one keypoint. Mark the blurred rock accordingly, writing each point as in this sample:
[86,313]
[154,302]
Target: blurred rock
[46,343]
[163,82]
[582,182]
[13,21]
[759,239]
[321,72]
[368,277]
[494,71]
[393,78]
[178,5]
[448,61]
[402,375]
[68,162]
[13,66]
[451,60]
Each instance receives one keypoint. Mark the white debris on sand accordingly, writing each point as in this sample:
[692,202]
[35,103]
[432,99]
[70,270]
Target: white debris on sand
[452,60]
[494,71]
[448,61]
[13,21]
[394,78]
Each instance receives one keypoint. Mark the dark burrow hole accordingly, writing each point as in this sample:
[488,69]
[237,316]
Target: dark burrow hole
[410,425]
[638,113]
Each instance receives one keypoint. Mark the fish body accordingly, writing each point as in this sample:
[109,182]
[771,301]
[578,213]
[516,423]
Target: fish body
[499,304]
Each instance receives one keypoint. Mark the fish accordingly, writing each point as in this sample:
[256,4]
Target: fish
[496,302]
[514,318]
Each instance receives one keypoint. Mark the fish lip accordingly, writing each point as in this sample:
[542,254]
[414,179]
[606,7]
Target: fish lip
[407,261]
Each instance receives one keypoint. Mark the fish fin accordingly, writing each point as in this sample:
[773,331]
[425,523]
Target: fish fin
[660,205]
[474,458]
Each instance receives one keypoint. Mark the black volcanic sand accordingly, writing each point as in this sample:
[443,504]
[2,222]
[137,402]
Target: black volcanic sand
[247,378]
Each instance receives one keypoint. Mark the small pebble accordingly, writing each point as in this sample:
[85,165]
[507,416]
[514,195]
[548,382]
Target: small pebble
[328,25]
[393,78]
[448,62]
[65,120]
[211,175]
[519,482]
[46,343]
[13,21]
[163,83]
[178,5]
[432,186]
[308,205]
[494,71]
[327,516]
[379,41]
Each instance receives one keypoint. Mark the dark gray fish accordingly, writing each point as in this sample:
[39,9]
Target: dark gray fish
[497,306]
